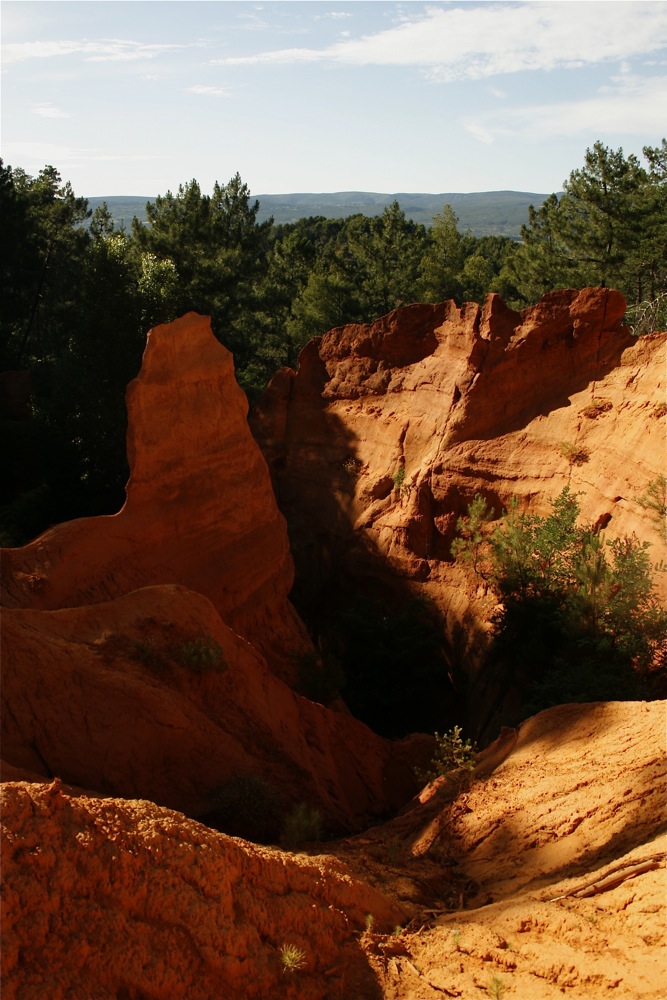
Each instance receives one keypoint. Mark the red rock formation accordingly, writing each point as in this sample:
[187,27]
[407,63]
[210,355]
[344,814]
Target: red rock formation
[460,401]
[97,696]
[200,510]
[93,691]
[105,898]
[558,854]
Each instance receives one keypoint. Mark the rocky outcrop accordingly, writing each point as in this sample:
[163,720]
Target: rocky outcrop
[106,898]
[385,433]
[103,697]
[200,509]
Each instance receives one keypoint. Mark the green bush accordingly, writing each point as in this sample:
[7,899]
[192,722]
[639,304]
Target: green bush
[201,655]
[301,825]
[452,754]
[578,617]
[247,806]
[148,653]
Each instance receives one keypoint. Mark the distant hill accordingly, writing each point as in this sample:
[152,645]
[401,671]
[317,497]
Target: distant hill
[484,213]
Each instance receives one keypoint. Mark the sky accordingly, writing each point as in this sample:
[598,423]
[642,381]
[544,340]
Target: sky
[126,97]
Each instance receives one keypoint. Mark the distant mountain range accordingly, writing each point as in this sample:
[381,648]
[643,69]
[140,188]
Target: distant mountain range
[483,213]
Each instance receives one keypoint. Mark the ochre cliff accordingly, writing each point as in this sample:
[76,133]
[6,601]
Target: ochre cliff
[200,509]
[385,433]
[93,692]
[107,898]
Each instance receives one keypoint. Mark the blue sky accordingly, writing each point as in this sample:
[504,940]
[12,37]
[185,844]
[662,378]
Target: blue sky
[133,97]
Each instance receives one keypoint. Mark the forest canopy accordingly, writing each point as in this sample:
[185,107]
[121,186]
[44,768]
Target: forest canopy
[79,295]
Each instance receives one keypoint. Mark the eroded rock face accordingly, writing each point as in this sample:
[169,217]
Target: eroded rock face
[97,609]
[97,695]
[455,401]
[200,509]
[548,875]
[106,898]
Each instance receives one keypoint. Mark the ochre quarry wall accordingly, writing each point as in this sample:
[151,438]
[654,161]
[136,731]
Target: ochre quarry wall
[200,509]
[458,401]
[96,610]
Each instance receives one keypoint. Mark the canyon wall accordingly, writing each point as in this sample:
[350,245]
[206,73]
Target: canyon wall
[385,433]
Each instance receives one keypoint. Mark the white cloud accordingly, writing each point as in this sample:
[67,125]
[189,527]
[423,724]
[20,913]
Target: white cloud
[630,106]
[49,111]
[33,155]
[494,38]
[211,91]
[100,50]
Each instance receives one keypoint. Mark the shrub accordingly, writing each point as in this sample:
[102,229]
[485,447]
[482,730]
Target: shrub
[292,958]
[654,500]
[399,480]
[247,806]
[302,824]
[201,654]
[147,652]
[452,754]
[596,408]
[578,618]
[467,547]
[574,454]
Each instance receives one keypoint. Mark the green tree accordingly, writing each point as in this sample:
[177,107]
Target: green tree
[42,248]
[579,618]
[443,260]
[609,227]
[385,256]
[468,545]
[219,251]
[601,214]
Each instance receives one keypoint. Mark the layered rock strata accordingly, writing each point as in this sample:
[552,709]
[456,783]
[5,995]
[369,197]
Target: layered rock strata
[385,433]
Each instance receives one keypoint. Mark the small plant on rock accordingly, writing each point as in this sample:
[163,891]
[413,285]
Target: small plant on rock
[596,408]
[468,545]
[452,754]
[149,654]
[201,654]
[574,454]
[654,500]
[399,480]
[302,824]
[496,988]
[293,958]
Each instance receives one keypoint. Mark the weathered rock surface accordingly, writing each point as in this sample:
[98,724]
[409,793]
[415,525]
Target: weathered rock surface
[556,858]
[547,876]
[200,509]
[106,898]
[456,401]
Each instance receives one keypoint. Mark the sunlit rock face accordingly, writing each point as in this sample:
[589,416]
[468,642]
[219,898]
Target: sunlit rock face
[200,509]
[384,434]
